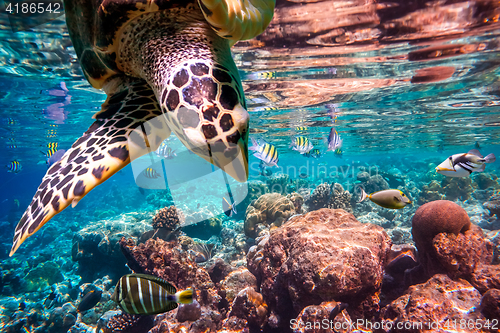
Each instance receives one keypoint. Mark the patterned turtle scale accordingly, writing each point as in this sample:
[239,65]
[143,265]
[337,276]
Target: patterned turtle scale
[166,66]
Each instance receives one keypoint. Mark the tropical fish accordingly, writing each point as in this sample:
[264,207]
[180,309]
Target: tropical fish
[334,141]
[147,294]
[462,165]
[51,300]
[301,144]
[392,199]
[264,170]
[55,157]
[165,151]
[51,145]
[332,111]
[315,153]
[301,128]
[90,300]
[338,152]
[229,209]
[265,152]
[151,173]
[267,75]
[14,166]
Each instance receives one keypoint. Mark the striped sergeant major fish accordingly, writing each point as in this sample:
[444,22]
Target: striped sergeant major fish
[301,144]
[14,166]
[54,145]
[265,152]
[334,141]
[151,173]
[316,153]
[462,165]
[301,128]
[148,294]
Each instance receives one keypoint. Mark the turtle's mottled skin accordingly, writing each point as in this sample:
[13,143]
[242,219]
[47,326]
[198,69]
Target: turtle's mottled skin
[165,66]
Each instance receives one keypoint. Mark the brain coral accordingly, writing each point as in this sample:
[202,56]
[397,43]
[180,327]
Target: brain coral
[271,208]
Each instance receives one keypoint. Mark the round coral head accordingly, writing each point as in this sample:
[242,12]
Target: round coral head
[434,218]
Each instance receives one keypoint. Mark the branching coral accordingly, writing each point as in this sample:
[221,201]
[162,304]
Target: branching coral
[168,218]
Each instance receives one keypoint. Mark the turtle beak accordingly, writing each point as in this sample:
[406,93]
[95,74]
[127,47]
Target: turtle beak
[238,166]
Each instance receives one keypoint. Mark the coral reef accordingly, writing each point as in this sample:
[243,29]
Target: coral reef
[443,298]
[297,201]
[270,209]
[431,219]
[97,250]
[166,221]
[43,276]
[320,256]
[431,192]
[278,183]
[457,188]
[340,199]
[493,207]
[236,281]
[327,195]
[490,304]
[188,312]
[312,319]
[372,183]
[320,197]
[117,321]
[204,229]
[486,180]
[249,305]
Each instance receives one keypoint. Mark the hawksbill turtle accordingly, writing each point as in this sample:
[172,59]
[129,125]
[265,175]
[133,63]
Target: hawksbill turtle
[165,66]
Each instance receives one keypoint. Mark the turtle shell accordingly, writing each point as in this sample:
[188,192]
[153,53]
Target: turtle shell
[95,26]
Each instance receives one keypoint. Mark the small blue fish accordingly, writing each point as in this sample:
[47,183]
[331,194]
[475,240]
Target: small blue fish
[314,153]
[264,170]
[334,140]
[151,173]
[55,157]
[265,152]
[11,121]
[228,209]
[301,144]
[14,166]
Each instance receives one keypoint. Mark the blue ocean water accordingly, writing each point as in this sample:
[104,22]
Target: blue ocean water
[397,114]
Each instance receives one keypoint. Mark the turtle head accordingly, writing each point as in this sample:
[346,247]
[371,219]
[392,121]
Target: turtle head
[205,107]
[196,82]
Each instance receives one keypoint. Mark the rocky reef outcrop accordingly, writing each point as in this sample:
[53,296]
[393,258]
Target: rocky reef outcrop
[323,255]
[96,248]
[445,301]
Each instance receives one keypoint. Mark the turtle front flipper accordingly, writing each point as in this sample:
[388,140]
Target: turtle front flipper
[102,151]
